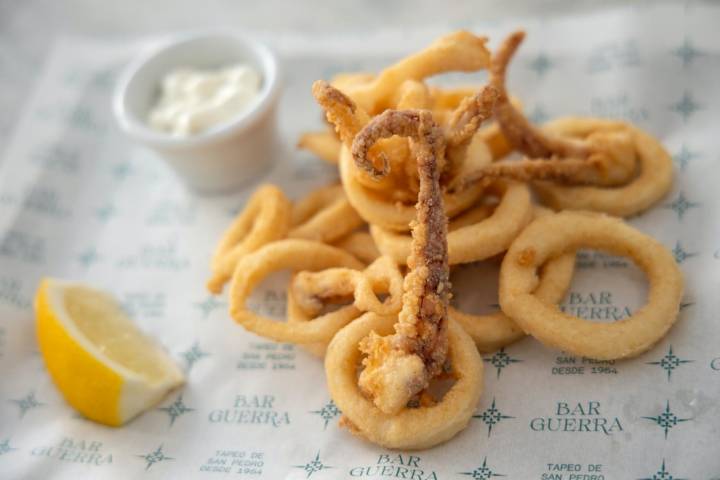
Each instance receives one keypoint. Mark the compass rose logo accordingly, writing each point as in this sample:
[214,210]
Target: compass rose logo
[154,457]
[500,360]
[670,362]
[492,416]
[313,466]
[483,472]
[667,420]
[328,412]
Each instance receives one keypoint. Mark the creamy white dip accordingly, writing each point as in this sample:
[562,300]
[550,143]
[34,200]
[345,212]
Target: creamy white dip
[192,101]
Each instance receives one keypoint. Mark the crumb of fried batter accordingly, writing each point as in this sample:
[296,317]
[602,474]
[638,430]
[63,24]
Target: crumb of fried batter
[526,257]
[391,377]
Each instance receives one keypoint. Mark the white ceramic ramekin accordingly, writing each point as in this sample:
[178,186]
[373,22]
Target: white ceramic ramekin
[227,155]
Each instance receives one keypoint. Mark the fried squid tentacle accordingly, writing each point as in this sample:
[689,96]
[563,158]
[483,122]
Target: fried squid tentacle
[470,114]
[348,119]
[342,112]
[584,171]
[603,158]
[565,170]
[463,125]
[402,123]
[400,366]
[412,94]
[522,134]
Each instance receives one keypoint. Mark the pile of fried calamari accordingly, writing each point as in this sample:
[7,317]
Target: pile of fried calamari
[433,177]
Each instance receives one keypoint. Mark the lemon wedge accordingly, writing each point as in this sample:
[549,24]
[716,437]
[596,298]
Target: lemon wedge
[105,367]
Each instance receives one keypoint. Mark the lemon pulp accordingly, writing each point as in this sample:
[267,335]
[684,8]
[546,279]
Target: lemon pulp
[116,337]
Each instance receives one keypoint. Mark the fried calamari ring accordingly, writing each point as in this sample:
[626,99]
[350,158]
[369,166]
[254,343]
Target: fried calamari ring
[652,183]
[553,235]
[312,290]
[450,98]
[475,155]
[360,244]
[293,254]
[496,330]
[324,215]
[411,94]
[495,140]
[377,210]
[458,51]
[346,80]
[266,218]
[411,428]
[295,314]
[476,214]
[474,242]
[323,144]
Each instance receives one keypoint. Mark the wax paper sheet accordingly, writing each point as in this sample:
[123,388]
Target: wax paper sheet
[78,200]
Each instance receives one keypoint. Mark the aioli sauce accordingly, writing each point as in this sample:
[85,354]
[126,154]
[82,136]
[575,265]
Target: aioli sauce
[193,101]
